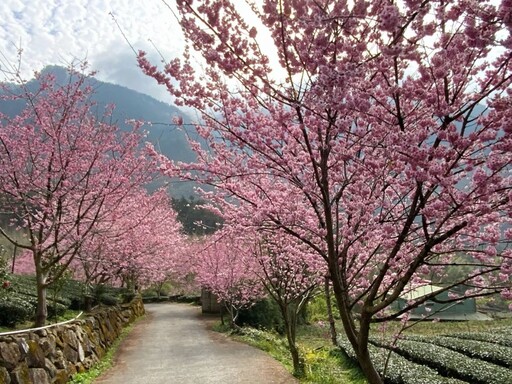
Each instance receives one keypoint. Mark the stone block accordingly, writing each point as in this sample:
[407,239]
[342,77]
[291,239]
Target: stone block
[38,375]
[35,355]
[4,376]
[70,354]
[71,369]
[61,377]
[50,368]
[69,337]
[23,345]
[41,332]
[60,361]
[49,345]
[20,375]
[9,355]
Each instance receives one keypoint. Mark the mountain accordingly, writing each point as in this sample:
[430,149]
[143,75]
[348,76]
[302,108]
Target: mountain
[130,104]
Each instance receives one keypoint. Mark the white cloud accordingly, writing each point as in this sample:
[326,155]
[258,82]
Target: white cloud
[59,31]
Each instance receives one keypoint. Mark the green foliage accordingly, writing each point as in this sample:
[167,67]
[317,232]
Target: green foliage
[397,369]
[265,314]
[195,219]
[106,295]
[107,299]
[316,310]
[56,309]
[487,351]
[497,338]
[191,299]
[127,297]
[270,342]
[329,366]
[15,309]
[5,283]
[3,264]
[67,295]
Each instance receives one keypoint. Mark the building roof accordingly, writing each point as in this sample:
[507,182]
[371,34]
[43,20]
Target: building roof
[451,316]
[421,291]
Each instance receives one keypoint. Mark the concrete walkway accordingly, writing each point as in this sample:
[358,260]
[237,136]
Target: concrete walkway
[174,346]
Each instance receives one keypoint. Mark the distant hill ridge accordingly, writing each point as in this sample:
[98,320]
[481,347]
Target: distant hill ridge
[130,104]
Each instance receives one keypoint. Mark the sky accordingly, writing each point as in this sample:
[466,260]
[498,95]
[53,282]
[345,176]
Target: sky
[62,31]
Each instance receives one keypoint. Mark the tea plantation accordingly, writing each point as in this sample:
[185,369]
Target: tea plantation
[18,300]
[464,357]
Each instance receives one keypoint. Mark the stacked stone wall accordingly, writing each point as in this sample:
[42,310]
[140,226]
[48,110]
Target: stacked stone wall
[53,354]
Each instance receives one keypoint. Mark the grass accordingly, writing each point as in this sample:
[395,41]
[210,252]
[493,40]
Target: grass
[325,364]
[106,362]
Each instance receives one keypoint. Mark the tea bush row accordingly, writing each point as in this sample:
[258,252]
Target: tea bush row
[498,338]
[451,363]
[483,350]
[399,370]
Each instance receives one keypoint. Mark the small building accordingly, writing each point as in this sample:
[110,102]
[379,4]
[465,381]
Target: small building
[209,302]
[461,310]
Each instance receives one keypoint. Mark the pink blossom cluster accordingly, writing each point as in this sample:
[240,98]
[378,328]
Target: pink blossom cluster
[380,139]
[73,185]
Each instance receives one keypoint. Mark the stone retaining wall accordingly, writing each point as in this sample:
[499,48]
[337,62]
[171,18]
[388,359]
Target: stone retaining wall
[53,354]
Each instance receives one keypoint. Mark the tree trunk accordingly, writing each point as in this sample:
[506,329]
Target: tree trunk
[359,344]
[290,321]
[332,324]
[14,258]
[298,362]
[222,314]
[41,286]
[87,303]
[366,364]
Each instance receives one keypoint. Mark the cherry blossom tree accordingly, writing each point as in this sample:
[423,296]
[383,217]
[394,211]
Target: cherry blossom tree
[225,266]
[377,133]
[62,170]
[291,274]
[138,243]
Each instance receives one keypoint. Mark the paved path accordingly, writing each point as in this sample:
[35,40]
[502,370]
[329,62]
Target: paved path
[174,346]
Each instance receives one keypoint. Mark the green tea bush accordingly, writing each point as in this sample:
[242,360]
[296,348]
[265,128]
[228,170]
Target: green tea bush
[453,364]
[396,369]
[127,297]
[487,351]
[265,314]
[14,310]
[55,309]
[503,339]
[108,299]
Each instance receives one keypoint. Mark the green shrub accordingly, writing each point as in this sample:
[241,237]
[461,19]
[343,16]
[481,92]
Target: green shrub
[396,369]
[503,339]
[192,299]
[452,363]
[15,309]
[55,309]
[316,310]
[127,297]
[150,292]
[265,314]
[490,352]
[108,299]
[76,303]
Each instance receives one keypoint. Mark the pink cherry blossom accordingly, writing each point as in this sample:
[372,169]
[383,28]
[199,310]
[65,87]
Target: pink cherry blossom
[379,138]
